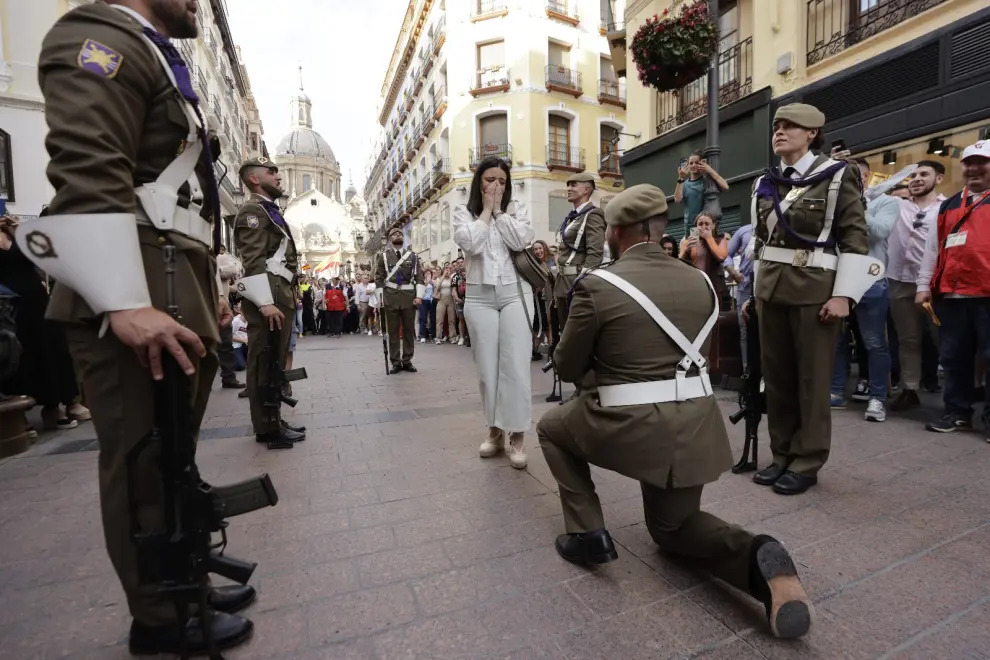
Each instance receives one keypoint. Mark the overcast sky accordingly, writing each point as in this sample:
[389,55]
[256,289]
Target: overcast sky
[344,47]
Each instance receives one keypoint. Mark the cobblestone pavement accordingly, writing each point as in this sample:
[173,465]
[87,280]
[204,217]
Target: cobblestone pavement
[392,539]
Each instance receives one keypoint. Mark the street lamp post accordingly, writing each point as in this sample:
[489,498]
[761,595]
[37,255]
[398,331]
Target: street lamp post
[713,150]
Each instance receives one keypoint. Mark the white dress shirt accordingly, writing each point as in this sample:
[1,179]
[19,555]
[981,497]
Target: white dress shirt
[906,245]
[802,167]
[487,245]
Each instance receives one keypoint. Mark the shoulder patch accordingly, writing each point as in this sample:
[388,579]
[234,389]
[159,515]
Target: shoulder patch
[252,221]
[99,59]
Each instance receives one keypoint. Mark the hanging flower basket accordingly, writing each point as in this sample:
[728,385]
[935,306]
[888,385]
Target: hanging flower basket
[672,51]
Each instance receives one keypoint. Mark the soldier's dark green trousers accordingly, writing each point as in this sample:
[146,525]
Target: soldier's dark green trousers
[561,307]
[257,363]
[798,363]
[673,515]
[399,309]
[120,394]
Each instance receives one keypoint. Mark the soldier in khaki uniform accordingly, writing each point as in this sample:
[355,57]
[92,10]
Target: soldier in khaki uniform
[399,279]
[132,170]
[643,326]
[580,240]
[811,238]
[268,287]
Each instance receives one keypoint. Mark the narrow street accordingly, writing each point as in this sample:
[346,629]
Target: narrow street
[392,539]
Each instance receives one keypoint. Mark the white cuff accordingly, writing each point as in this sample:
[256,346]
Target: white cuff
[420,290]
[96,255]
[855,274]
[256,289]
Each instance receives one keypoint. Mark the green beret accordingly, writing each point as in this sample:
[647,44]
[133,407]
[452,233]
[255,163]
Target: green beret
[635,204]
[396,230]
[801,114]
[260,161]
[581,177]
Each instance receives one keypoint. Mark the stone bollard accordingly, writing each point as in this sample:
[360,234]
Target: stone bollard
[13,429]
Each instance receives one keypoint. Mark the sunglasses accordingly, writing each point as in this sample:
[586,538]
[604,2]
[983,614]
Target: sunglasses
[919,220]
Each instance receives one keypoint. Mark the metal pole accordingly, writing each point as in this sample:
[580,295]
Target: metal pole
[712,151]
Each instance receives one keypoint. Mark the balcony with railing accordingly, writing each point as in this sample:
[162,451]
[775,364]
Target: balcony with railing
[439,36]
[835,25]
[562,157]
[440,102]
[612,92]
[484,9]
[216,109]
[186,50]
[563,10]
[608,165]
[403,115]
[440,174]
[420,135]
[566,81]
[417,82]
[427,62]
[735,76]
[503,151]
[491,80]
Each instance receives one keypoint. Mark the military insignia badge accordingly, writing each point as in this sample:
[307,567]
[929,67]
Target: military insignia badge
[253,222]
[794,194]
[97,58]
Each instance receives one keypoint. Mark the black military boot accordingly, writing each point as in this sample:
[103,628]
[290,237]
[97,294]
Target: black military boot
[280,439]
[587,547]
[229,630]
[232,598]
[396,368]
[297,429]
[773,580]
[408,366]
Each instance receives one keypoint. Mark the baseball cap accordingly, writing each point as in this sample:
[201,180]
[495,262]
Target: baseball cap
[981,149]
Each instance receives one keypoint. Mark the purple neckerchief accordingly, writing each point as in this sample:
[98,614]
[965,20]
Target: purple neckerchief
[563,230]
[767,189]
[274,211]
[184,83]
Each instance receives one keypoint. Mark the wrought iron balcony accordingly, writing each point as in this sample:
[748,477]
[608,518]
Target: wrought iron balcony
[563,10]
[560,157]
[608,165]
[834,25]
[503,151]
[439,102]
[439,35]
[491,80]
[440,174]
[563,80]
[483,9]
[612,92]
[199,78]
[735,76]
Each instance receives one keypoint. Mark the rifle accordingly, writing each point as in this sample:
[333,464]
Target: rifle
[272,388]
[752,399]
[557,392]
[181,556]
[382,320]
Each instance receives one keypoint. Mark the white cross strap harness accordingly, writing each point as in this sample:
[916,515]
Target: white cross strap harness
[681,387]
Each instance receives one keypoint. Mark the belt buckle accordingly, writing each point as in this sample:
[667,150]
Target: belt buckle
[801,258]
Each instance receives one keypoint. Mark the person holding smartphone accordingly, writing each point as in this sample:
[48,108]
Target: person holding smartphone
[690,187]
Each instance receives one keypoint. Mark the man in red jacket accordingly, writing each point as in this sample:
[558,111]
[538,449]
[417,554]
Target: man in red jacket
[336,306]
[960,282]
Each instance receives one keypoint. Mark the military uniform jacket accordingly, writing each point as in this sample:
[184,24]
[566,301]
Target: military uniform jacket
[590,248]
[410,272]
[114,124]
[258,237]
[680,444]
[791,285]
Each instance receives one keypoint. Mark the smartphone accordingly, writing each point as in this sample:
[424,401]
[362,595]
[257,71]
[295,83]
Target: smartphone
[3,206]
[694,232]
[839,144]
[683,163]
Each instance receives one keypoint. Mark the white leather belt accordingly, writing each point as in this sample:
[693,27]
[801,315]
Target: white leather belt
[401,287]
[570,270]
[800,258]
[658,391]
[281,271]
[184,221]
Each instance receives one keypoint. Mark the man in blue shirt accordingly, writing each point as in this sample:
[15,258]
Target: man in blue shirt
[743,277]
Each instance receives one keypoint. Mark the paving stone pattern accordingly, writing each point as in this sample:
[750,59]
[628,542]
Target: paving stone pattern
[392,539]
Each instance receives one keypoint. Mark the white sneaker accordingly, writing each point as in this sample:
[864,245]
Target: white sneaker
[369,333]
[515,452]
[875,411]
[492,446]
[422,340]
[460,342]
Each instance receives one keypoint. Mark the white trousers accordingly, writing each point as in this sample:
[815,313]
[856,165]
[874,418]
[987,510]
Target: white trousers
[502,344]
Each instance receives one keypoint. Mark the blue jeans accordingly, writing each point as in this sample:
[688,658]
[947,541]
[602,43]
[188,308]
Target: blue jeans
[871,314]
[965,330]
[427,319]
[240,357]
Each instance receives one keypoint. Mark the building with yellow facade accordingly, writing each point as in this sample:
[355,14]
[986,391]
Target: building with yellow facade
[529,81]
[898,80]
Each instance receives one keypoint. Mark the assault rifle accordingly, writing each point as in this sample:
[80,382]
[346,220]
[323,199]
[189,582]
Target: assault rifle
[752,399]
[557,392]
[272,388]
[180,557]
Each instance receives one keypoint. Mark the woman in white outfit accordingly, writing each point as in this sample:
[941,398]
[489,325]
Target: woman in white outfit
[497,306]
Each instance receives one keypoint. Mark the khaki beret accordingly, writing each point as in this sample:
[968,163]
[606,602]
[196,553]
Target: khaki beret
[259,161]
[581,177]
[802,114]
[635,204]
[396,230]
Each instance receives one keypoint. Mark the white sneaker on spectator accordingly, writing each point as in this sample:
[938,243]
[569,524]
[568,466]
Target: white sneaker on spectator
[875,411]
[460,341]
[422,340]
[79,412]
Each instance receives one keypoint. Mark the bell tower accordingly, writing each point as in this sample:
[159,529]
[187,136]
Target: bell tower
[302,107]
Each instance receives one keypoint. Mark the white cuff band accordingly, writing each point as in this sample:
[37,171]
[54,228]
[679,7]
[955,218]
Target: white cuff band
[420,290]
[855,274]
[256,289]
[96,255]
